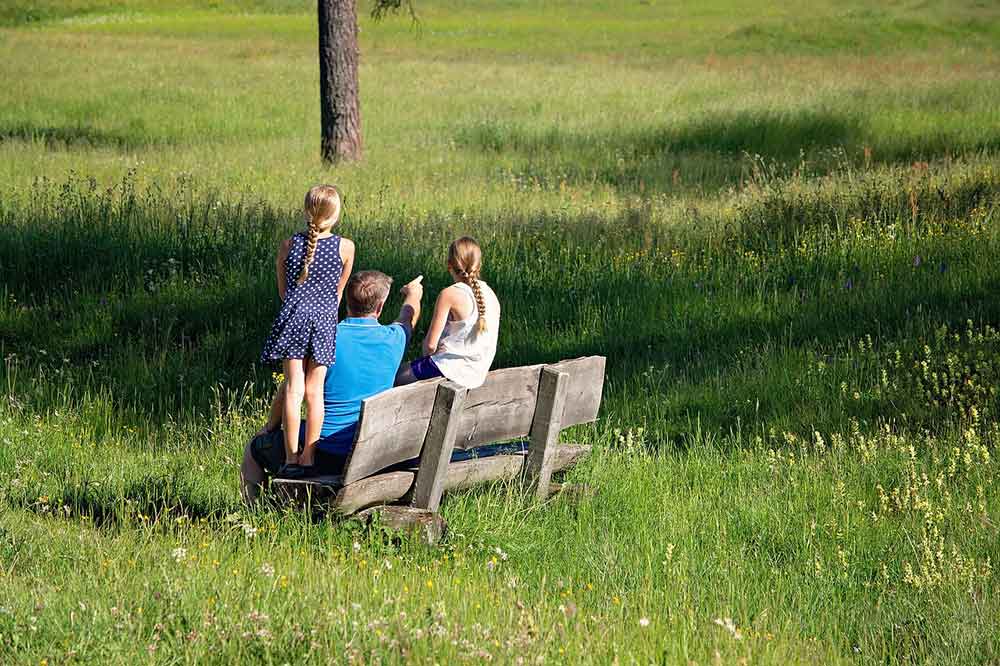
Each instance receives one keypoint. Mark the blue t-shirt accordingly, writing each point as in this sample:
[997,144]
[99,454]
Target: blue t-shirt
[368,356]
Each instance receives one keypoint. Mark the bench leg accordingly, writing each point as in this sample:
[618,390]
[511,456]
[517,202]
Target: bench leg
[438,445]
[545,427]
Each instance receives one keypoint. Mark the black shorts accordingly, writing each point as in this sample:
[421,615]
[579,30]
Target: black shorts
[268,450]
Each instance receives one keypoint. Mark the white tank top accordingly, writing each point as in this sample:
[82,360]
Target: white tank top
[464,355]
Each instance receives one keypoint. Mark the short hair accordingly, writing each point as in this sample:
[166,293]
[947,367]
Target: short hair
[366,291]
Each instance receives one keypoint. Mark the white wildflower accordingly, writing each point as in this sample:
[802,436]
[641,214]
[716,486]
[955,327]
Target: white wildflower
[730,626]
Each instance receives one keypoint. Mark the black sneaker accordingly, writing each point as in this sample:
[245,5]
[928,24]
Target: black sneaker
[294,471]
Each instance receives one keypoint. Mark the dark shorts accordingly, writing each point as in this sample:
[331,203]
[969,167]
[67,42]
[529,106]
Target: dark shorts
[268,451]
[425,368]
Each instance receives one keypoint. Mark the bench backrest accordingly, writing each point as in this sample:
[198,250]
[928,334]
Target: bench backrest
[394,423]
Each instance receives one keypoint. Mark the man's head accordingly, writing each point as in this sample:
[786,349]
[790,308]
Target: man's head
[366,292]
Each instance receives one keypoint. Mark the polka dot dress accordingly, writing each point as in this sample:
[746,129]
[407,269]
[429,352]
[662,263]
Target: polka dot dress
[306,326]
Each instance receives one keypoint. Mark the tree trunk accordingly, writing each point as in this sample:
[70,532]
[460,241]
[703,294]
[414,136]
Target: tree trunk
[340,111]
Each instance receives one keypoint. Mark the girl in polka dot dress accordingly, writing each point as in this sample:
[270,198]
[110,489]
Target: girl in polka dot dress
[313,268]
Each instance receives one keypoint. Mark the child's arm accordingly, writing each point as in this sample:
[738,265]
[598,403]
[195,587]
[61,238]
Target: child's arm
[440,317]
[279,263]
[347,257]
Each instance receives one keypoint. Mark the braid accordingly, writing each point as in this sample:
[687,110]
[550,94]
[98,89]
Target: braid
[465,260]
[477,292]
[310,250]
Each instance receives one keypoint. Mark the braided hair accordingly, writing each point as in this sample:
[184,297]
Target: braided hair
[465,257]
[322,208]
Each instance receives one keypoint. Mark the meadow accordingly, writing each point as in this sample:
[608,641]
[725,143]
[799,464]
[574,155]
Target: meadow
[778,223]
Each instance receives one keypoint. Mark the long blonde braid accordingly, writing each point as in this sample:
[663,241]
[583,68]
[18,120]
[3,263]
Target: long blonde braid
[466,258]
[322,205]
[311,240]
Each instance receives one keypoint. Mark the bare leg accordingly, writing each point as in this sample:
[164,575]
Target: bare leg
[295,387]
[315,377]
[252,477]
[277,408]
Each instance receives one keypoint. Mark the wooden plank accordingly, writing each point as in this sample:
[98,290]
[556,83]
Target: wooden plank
[391,428]
[500,409]
[552,389]
[585,391]
[375,490]
[504,407]
[468,473]
[392,486]
[393,424]
[438,446]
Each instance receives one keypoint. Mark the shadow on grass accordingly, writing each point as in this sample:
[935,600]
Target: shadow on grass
[704,152]
[145,499]
[76,137]
[162,344]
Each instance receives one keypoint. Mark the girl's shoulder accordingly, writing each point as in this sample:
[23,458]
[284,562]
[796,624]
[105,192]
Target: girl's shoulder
[454,289]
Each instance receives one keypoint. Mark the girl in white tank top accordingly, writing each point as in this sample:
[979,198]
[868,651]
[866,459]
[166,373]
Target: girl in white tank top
[462,339]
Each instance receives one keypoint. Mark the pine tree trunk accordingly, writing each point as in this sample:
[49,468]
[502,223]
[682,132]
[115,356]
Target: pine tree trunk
[338,81]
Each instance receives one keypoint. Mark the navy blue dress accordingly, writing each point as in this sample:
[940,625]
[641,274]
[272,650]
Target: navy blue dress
[306,325]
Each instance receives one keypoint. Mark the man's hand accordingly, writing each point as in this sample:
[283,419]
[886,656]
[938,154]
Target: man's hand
[413,292]
[413,289]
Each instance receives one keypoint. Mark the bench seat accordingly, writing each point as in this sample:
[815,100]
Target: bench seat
[406,436]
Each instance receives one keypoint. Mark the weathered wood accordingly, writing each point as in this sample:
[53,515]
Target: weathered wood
[426,526]
[553,386]
[438,446]
[504,406]
[391,428]
[393,424]
[393,486]
[379,489]
[500,409]
[585,390]
[468,473]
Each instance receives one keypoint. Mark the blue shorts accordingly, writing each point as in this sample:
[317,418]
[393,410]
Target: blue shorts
[425,368]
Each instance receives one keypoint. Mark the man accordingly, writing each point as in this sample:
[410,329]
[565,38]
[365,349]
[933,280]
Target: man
[368,356]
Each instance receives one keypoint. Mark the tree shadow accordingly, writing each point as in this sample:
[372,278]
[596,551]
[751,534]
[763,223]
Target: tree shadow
[146,499]
[76,137]
[157,307]
[705,152]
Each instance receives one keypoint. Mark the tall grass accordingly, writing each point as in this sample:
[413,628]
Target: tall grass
[782,237]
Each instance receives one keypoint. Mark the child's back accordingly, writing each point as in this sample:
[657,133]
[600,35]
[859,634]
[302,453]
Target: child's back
[307,323]
[465,353]
[319,293]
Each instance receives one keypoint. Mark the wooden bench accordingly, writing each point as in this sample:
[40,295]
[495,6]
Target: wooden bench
[405,438]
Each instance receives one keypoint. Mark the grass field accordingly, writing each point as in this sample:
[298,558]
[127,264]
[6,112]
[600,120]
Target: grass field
[778,223]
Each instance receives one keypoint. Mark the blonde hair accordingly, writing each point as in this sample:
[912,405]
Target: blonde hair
[465,258]
[322,208]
